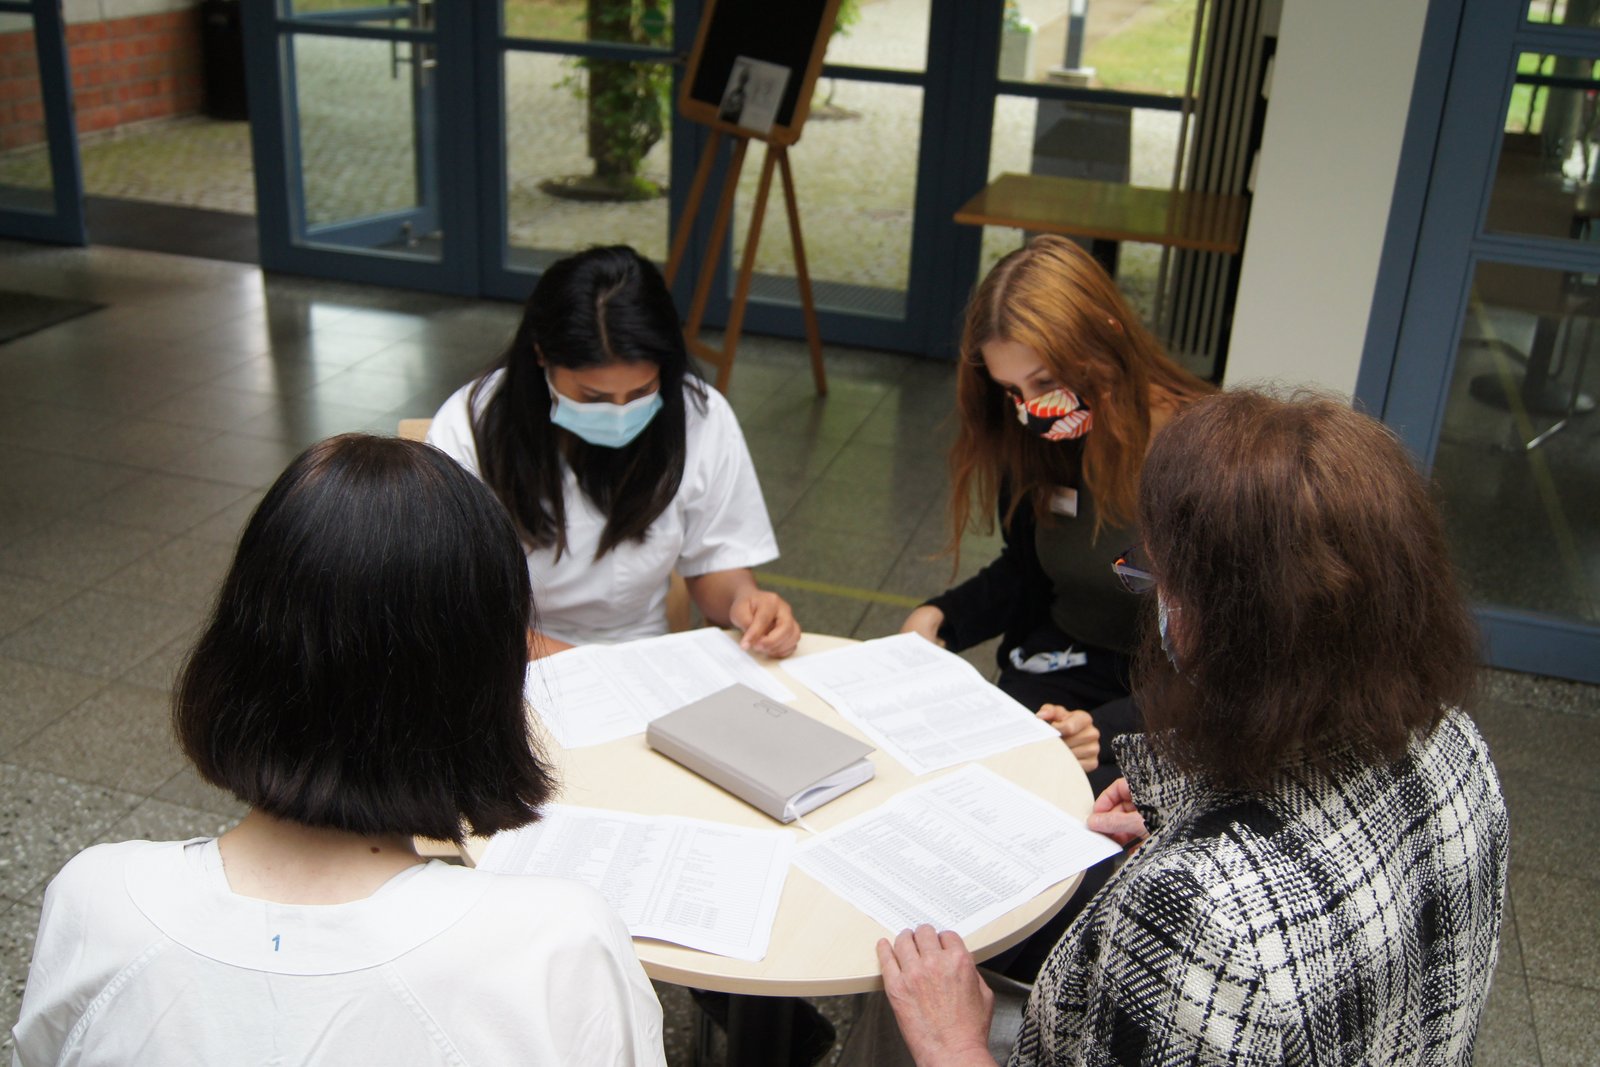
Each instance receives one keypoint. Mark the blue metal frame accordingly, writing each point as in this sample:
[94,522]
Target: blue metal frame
[1435,241]
[287,244]
[63,222]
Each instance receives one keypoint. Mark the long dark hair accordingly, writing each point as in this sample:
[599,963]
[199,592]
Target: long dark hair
[605,305]
[1319,617]
[362,668]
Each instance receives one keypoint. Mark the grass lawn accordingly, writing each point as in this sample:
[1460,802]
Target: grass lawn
[1151,53]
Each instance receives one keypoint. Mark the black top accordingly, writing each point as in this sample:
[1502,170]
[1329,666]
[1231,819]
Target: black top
[1055,572]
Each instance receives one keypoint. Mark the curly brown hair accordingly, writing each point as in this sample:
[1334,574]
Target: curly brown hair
[1053,297]
[1317,611]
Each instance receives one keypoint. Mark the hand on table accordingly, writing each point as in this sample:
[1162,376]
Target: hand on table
[925,621]
[1116,816]
[941,1004]
[1078,730]
[767,621]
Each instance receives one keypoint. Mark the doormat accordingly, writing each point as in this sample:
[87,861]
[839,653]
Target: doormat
[25,313]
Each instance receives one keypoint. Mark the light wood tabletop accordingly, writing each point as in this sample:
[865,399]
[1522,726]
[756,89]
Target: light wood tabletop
[1113,211]
[820,944]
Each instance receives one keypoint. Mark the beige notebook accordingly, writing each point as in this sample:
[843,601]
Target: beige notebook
[767,754]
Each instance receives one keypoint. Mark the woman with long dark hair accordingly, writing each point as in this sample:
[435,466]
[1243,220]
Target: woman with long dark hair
[617,463]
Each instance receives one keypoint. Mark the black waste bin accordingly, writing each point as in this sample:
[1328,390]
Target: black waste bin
[222,59]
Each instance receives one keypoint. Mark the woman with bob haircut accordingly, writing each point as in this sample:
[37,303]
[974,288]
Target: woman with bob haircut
[1323,852]
[359,682]
[1058,391]
[617,463]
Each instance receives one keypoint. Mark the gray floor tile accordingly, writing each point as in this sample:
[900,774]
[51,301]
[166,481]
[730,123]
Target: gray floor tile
[303,425]
[185,571]
[1562,749]
[32,696]
[1546,694]
[1556,923]
[779,458]
[129,393]
[42,426]
[838,507]
[848,560]
[278,378]
[32,481]
[1506,1035]
[820,613]
[45,820]
[169,503]
[158,820]
[160,670]
[25,599]
[808,417]
[188,790]
[378,393]
[213,406]
[1574,848]
[135,441]
[1568,1023]
[250,462]
[225,526]
[120,738]
[875,468]
[99,634]
[19,923]
[77,552]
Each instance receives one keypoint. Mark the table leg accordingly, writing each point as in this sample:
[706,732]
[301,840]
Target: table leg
[1106,252]
[1537,392]
[760,1031]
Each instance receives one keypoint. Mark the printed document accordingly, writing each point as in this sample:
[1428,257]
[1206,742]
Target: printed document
[957,852]
[926,707]
[707,885]
[597,693]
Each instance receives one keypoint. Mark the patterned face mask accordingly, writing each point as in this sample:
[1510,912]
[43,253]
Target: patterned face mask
[1055,416]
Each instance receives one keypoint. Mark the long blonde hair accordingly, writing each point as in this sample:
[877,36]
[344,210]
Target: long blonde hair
[1053,297]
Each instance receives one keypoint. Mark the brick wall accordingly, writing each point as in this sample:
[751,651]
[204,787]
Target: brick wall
[123,70]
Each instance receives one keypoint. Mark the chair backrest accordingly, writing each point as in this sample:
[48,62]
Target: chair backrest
[680,607]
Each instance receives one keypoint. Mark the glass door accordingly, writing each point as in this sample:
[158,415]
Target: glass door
[41,189]
[351,167]
[1495,374]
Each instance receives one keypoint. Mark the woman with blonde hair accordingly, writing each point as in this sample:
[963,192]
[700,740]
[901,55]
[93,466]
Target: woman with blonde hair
[1058,393]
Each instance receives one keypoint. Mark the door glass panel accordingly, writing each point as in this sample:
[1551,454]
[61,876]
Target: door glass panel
[1139,48]
[641,22]
[25,177]
[363,12]
[1549,151]
[1515,479]
[1564,12]
[366,141]
[588,151]
[1137,146]
[855,207]
[870,34]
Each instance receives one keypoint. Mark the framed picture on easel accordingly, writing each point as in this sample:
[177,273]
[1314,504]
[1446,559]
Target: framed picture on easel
[751,75]
[755,65]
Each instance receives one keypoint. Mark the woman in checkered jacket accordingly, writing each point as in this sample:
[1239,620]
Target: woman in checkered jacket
[1319,837]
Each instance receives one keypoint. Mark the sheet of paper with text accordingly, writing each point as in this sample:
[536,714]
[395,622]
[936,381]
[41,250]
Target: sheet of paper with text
[598,693]
[707,885]
[926,707]
[957,852]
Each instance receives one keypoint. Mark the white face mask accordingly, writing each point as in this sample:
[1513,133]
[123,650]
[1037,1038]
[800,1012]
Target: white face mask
[602,423]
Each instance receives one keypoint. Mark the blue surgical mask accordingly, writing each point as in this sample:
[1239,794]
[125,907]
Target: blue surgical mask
[1163,613]
[601,423]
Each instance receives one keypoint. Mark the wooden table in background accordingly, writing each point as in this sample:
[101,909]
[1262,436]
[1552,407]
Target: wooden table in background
[1108,212]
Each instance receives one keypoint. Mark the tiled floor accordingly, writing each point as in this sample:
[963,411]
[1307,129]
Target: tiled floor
[137,439]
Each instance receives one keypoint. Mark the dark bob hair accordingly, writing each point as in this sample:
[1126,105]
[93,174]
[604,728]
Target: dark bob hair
[363,667]
[1318,616]
[601,306]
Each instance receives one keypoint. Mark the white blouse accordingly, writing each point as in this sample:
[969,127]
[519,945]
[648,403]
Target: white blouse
[145,955]
[718,521]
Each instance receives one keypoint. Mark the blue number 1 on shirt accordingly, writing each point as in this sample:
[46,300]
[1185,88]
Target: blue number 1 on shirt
[275,938]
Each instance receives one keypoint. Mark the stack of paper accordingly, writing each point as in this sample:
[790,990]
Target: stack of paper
[958,852]
[707,885]
[598,693]
[926,707]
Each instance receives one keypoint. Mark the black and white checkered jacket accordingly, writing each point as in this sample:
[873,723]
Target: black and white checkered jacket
[1347,919]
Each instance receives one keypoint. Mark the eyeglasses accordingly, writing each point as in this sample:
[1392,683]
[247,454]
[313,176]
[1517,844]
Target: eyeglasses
[1129,567]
